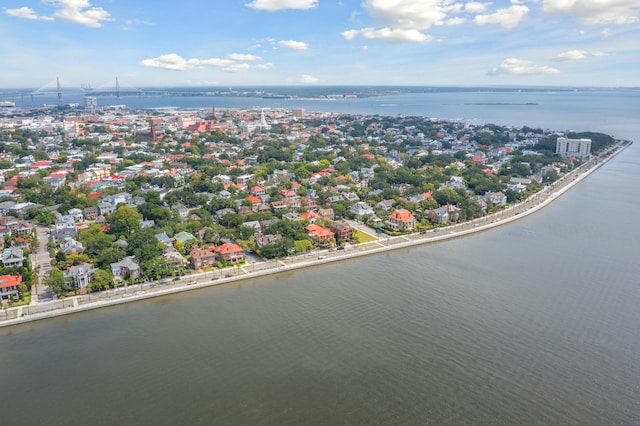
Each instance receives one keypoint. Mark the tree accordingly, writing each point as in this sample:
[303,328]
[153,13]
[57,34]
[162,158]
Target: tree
[124,221]
[55,281]
[302,246]
[144,245]
[94,240]
[110,255]
[101,280]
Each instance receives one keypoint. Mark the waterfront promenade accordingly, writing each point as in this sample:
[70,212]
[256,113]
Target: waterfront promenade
[42,310]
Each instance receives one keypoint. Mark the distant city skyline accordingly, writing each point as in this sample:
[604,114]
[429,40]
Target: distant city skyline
[319,42]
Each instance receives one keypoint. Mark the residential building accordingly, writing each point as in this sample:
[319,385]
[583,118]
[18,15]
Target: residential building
[10,287]
[361,209]
[342,230]
[321,235]
[12,256]
[230,252]
[126,268]
[201,258]
[401,220]
[578,148]
[80,275]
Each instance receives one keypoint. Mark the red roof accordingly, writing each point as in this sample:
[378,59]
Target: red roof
[10,280]
[318,231]
[228,248]
[94,195]
[309,215]
[401,214]
[40,164]
[253,199]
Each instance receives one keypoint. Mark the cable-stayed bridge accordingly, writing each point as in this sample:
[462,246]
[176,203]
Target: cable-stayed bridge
[60,88]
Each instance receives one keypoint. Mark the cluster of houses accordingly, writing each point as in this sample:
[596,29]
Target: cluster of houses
[231,140]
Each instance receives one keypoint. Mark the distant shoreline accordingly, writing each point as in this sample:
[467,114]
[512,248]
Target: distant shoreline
[533,204]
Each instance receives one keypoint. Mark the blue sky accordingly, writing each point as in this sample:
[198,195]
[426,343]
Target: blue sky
[319,42]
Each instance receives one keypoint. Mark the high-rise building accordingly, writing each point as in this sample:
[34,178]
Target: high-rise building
[90,104]
[578,148]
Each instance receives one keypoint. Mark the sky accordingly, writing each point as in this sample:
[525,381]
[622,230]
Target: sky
[230,43]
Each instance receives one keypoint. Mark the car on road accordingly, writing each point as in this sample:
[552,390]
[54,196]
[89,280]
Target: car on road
[192,282]
[176,279]
[214,278]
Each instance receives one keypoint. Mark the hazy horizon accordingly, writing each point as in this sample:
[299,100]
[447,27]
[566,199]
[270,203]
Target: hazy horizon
[320,42]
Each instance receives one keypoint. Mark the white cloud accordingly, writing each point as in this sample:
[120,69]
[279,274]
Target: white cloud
[509,17]
[571,55]
[236,68]
[574,55]
[215,62]
[265,66]
[411,14]
[79,12]
[129,23]
[243,57]
[513,66]
[606,33]
[273,5]
[409,20]
[175,62]
[388,34]
[231,64]
[27,13]
[308,79]
[596,11]
[455,21]
[293,45]
[476,7]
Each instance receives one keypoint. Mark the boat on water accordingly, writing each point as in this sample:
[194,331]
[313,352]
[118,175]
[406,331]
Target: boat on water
[7,104]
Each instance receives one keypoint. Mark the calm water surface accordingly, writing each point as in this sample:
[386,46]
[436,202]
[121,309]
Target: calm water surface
[536,322]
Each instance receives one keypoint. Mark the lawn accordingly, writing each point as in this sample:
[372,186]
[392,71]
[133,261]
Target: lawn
[363,237]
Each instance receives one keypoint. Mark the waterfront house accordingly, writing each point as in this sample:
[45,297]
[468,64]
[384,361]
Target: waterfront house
[444,214]
[230,252]
[80,275]
[321,235]
[201,258]
[342,230]
[10,287]
[495,198]
[401,220]
[127,267]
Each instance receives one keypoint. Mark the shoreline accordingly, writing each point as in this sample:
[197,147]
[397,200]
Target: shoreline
[533,204]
